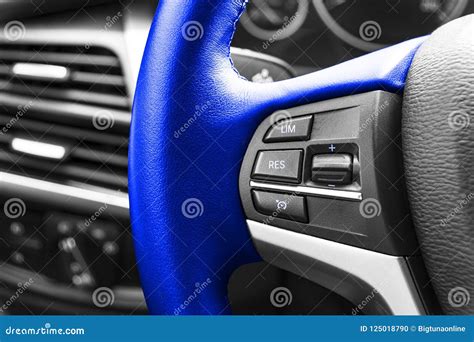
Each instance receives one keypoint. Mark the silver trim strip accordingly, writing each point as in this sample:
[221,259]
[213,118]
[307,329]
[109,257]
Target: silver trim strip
[306,190]
[381,283]
[119,199]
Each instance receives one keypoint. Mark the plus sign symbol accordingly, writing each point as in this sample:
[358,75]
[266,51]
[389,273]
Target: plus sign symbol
[332,148]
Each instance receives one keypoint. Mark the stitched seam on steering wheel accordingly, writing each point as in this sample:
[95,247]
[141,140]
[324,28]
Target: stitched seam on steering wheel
[229,56]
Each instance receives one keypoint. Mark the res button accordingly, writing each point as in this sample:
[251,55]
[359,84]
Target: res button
[278,165]
[295,129]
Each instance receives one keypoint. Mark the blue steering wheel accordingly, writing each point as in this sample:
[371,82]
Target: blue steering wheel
[193,118]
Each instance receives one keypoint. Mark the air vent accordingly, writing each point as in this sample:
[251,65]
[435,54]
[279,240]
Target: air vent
[93,76]
[64,115]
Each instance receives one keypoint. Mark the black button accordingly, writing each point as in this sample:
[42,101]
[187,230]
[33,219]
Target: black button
[296,129]
[333,169]
[284,206]
[278,165]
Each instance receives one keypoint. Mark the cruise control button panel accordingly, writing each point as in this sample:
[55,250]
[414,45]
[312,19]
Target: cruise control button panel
[278,166]
[290,130]
[332,169]
[291,207]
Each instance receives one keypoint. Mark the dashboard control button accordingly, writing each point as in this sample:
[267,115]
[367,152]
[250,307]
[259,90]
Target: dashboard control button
[278,165]
[295,129]
[332,169]
[286,206]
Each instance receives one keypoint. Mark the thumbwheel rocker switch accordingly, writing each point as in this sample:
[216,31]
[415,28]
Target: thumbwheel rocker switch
[332,169]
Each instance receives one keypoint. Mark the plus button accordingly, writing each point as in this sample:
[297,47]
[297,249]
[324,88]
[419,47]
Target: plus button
[332,148]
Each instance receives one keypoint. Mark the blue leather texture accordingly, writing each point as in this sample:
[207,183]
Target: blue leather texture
[193,117]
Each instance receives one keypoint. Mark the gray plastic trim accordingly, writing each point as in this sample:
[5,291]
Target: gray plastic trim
[376,283]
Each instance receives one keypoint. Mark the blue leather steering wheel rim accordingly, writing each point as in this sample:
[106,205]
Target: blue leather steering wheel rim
[193,117]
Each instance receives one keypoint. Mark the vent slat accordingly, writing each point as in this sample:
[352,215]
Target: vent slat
[95,137]
[95,78]
[63,111]
[92,175]
[79,77]
[4,70]
[87,112]
[73,95]
[100,157]
[58,58]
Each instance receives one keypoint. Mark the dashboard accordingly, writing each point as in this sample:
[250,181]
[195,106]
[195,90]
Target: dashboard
[67,77]
[315,34]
